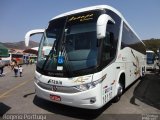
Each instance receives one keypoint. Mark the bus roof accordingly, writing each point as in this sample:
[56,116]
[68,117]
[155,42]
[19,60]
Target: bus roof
[150,51]
[98,7]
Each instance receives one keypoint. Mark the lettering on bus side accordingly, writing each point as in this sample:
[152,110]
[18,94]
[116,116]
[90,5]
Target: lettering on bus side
[55,74]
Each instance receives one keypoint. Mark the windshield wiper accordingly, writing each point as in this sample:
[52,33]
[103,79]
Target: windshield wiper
[50,54]
[64,52]
[67,66]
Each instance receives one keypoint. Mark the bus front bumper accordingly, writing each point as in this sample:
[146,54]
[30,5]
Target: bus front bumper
[89,99]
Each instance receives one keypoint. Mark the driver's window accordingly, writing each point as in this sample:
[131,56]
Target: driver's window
[107,47]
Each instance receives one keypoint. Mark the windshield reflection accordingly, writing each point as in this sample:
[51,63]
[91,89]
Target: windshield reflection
[68,47]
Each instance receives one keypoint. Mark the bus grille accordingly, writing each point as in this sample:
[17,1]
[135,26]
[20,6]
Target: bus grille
[61,89]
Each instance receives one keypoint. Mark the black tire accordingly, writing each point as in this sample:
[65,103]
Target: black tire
[143,71]
[119,93]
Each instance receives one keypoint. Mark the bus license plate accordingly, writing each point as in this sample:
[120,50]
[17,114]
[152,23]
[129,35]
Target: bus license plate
[55,97]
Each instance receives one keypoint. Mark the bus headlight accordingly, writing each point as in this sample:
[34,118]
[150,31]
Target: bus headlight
[84,87]
[87,86]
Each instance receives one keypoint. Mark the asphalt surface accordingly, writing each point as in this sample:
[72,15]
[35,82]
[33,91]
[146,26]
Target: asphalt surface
[148,90]
[17,97]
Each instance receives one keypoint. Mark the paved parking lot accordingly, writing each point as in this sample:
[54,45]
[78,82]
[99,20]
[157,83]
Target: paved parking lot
[17,96]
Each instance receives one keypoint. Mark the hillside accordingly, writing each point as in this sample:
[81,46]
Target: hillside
[152,44]
[20,45]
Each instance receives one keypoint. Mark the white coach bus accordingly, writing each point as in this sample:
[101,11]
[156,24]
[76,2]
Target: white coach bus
[94,56]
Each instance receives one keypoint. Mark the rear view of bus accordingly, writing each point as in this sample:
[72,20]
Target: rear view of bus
[86,64]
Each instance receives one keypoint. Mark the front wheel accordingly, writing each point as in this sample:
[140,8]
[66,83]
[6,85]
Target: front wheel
[119,93]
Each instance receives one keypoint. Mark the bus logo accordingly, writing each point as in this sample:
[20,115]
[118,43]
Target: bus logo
[54,88]
[56,82]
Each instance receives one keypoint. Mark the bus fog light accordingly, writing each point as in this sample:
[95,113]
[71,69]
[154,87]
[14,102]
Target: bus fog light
[92,100]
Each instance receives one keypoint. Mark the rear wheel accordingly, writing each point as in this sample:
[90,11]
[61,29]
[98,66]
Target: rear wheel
[143,71]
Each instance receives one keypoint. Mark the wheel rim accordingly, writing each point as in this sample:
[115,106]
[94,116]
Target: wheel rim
[120,89]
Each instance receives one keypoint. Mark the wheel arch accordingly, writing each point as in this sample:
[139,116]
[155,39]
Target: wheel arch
[120,86]
[121,79]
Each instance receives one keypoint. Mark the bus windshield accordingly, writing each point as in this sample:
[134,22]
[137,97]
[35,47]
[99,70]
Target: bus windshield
[150,58]
[69,44]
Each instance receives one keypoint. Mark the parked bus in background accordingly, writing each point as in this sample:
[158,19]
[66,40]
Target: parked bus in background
[29,58]
[95,55]
[6,59]
[32,59]
[18,57]
[25,58]
[151,60]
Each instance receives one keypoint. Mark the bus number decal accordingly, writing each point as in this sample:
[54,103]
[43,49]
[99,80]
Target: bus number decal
[107,94]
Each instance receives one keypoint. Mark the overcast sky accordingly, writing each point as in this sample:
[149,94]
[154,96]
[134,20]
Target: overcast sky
[19,16]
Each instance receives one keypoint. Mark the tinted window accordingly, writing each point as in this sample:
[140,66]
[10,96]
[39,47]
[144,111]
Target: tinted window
[109,46]
[129,39]
[114,28]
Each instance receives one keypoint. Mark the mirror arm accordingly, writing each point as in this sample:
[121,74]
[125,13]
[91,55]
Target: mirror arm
[30,33]
[102,25]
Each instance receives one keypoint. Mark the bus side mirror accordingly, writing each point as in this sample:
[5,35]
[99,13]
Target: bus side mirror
[30,33]
[102,25]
